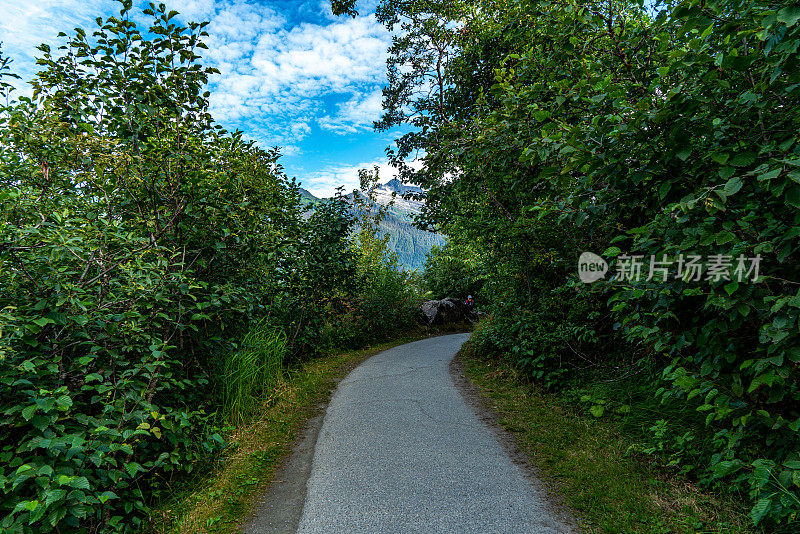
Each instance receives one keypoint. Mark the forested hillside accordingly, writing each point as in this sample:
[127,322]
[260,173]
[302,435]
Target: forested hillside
[411,244]
[662,136]
[404,238]
[157,277]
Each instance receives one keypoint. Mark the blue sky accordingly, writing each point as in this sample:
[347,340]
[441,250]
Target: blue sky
[291,74]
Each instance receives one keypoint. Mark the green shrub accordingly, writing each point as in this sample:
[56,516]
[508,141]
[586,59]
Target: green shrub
[621,127]
[138,241]
[384,299]
[453,271]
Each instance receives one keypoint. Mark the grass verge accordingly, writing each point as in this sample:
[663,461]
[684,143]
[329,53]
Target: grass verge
[587,462]
[220,501]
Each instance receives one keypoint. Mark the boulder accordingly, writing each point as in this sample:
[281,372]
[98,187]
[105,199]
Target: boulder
[448,310]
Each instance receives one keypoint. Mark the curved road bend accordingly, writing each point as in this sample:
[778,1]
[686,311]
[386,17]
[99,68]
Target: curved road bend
[400,451]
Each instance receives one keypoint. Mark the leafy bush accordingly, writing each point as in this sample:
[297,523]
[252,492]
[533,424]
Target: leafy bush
[562,127]
[138,242]
[323,276]
[453,271]
[385,298]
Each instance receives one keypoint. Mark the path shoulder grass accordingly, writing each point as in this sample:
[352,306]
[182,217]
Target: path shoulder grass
[587,461]
[221,500]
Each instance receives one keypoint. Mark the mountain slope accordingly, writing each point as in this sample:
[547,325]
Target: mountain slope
[411,244]
[306,196]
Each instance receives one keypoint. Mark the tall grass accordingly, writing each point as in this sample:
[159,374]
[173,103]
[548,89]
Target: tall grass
[252,371]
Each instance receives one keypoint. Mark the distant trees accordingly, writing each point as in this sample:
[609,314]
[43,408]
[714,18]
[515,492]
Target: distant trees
[454,270]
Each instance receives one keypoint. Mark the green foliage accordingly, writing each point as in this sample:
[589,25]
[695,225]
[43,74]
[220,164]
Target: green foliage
[546,340]
[325,274]
[453,271]
[612,490]
[600,126]
[344,7]
[411,243]
[138,242]
[386,298]
[252,370]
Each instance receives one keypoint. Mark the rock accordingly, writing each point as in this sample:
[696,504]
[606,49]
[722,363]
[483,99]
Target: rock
[445,311]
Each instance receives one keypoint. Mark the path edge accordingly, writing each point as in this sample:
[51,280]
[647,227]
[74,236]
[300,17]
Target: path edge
[490,417]
[280,509]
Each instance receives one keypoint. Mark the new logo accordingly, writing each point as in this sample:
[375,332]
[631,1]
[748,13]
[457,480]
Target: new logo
[591,267]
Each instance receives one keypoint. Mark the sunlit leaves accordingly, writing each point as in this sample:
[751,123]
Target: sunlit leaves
[136,240]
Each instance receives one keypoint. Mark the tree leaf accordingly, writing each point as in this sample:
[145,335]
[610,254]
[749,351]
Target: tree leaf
[684,153]
[28,411]
[54,495]
[106,496]
[793,197]
[733,186]
[769,175]
[789,15]
[80,483]
[760,510]
[743,160]
[720,157]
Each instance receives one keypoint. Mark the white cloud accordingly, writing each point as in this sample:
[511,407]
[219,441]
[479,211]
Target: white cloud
[25,25]
[271,69]
[356,114]
[291,150]
[323,183]
[196,10]
[300,129]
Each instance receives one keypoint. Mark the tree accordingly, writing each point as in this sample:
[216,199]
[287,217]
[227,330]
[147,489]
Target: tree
[138,241]
[551,128]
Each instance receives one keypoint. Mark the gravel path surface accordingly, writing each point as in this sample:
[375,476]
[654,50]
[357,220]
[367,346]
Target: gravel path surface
[401,451]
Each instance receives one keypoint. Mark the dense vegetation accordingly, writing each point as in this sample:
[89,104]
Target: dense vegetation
[549,128]
[156,272]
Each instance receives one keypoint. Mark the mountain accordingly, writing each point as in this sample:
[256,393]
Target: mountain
[306,196]
[409,242]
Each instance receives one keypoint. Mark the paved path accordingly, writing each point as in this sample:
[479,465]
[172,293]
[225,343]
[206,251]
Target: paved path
[401,451]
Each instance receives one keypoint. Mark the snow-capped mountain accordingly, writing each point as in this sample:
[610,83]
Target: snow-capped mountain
[395,190]
[409,242]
